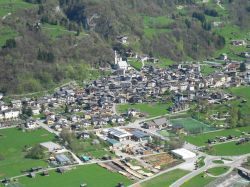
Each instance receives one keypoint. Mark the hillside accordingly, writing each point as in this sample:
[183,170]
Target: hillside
[47,42]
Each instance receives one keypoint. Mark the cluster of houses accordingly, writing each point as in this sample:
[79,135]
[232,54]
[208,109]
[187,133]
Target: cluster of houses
[93,105]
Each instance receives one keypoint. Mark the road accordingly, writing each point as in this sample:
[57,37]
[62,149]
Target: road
[237,161]
[46,127]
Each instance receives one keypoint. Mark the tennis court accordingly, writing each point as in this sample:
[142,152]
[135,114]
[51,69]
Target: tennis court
[191,125]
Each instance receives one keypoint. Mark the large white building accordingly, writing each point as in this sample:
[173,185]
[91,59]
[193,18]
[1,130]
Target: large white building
[122,64]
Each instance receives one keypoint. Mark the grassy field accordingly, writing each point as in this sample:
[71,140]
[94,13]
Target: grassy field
[242,92]
[165,179]
[92,175]
[201,139]
[11,6]
[6,33]
[154,25]
[55,31]
[191,125]
[152,110]
[230,149]
[200,180]
[216,171]
[12,143]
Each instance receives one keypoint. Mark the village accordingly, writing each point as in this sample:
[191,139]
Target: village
[127,142]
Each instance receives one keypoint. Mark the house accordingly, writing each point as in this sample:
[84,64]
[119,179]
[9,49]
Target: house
[119,134]
[160,122]
[35,110]
[84,135]
[140,136]
[11,114]
[122,39]
[238,42]
[16,103]
[31,124]
[223,57]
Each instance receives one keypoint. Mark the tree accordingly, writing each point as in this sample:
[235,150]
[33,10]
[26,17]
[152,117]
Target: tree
[233,120]
[36,152]
[10,43]
[66,109]
[243,67]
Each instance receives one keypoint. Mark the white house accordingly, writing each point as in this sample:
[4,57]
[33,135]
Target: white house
[11,114]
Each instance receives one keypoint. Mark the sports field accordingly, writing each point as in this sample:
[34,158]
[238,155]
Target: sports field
[165,179]
[201,139]
[191,125]
[12,145]
[92,175]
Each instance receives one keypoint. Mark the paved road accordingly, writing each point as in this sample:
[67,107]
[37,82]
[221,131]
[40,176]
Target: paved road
[46,127]
[237,161]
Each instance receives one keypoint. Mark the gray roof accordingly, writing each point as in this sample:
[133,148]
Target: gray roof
[160,121]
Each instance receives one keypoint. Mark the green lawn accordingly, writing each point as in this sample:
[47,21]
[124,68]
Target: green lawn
[55,31]
[241,91]
[92,175]
[165,179]
[135,64]
[207,70]
[200,180]
[218,161]
[201,139]
[11,6]
[216,171]
[230,149]
[191,125]
[12,143]
[152,110]
[6,33]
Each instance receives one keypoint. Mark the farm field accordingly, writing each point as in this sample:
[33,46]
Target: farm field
[12,144]
[165,179]
[152,110]
[92,175]
[200,180]
[191,125]
[201,139]
[230,149]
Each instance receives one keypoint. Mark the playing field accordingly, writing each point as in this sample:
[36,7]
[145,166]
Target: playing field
[201,139]
[165,179]
[191,125]
[12,144]
[92,175]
